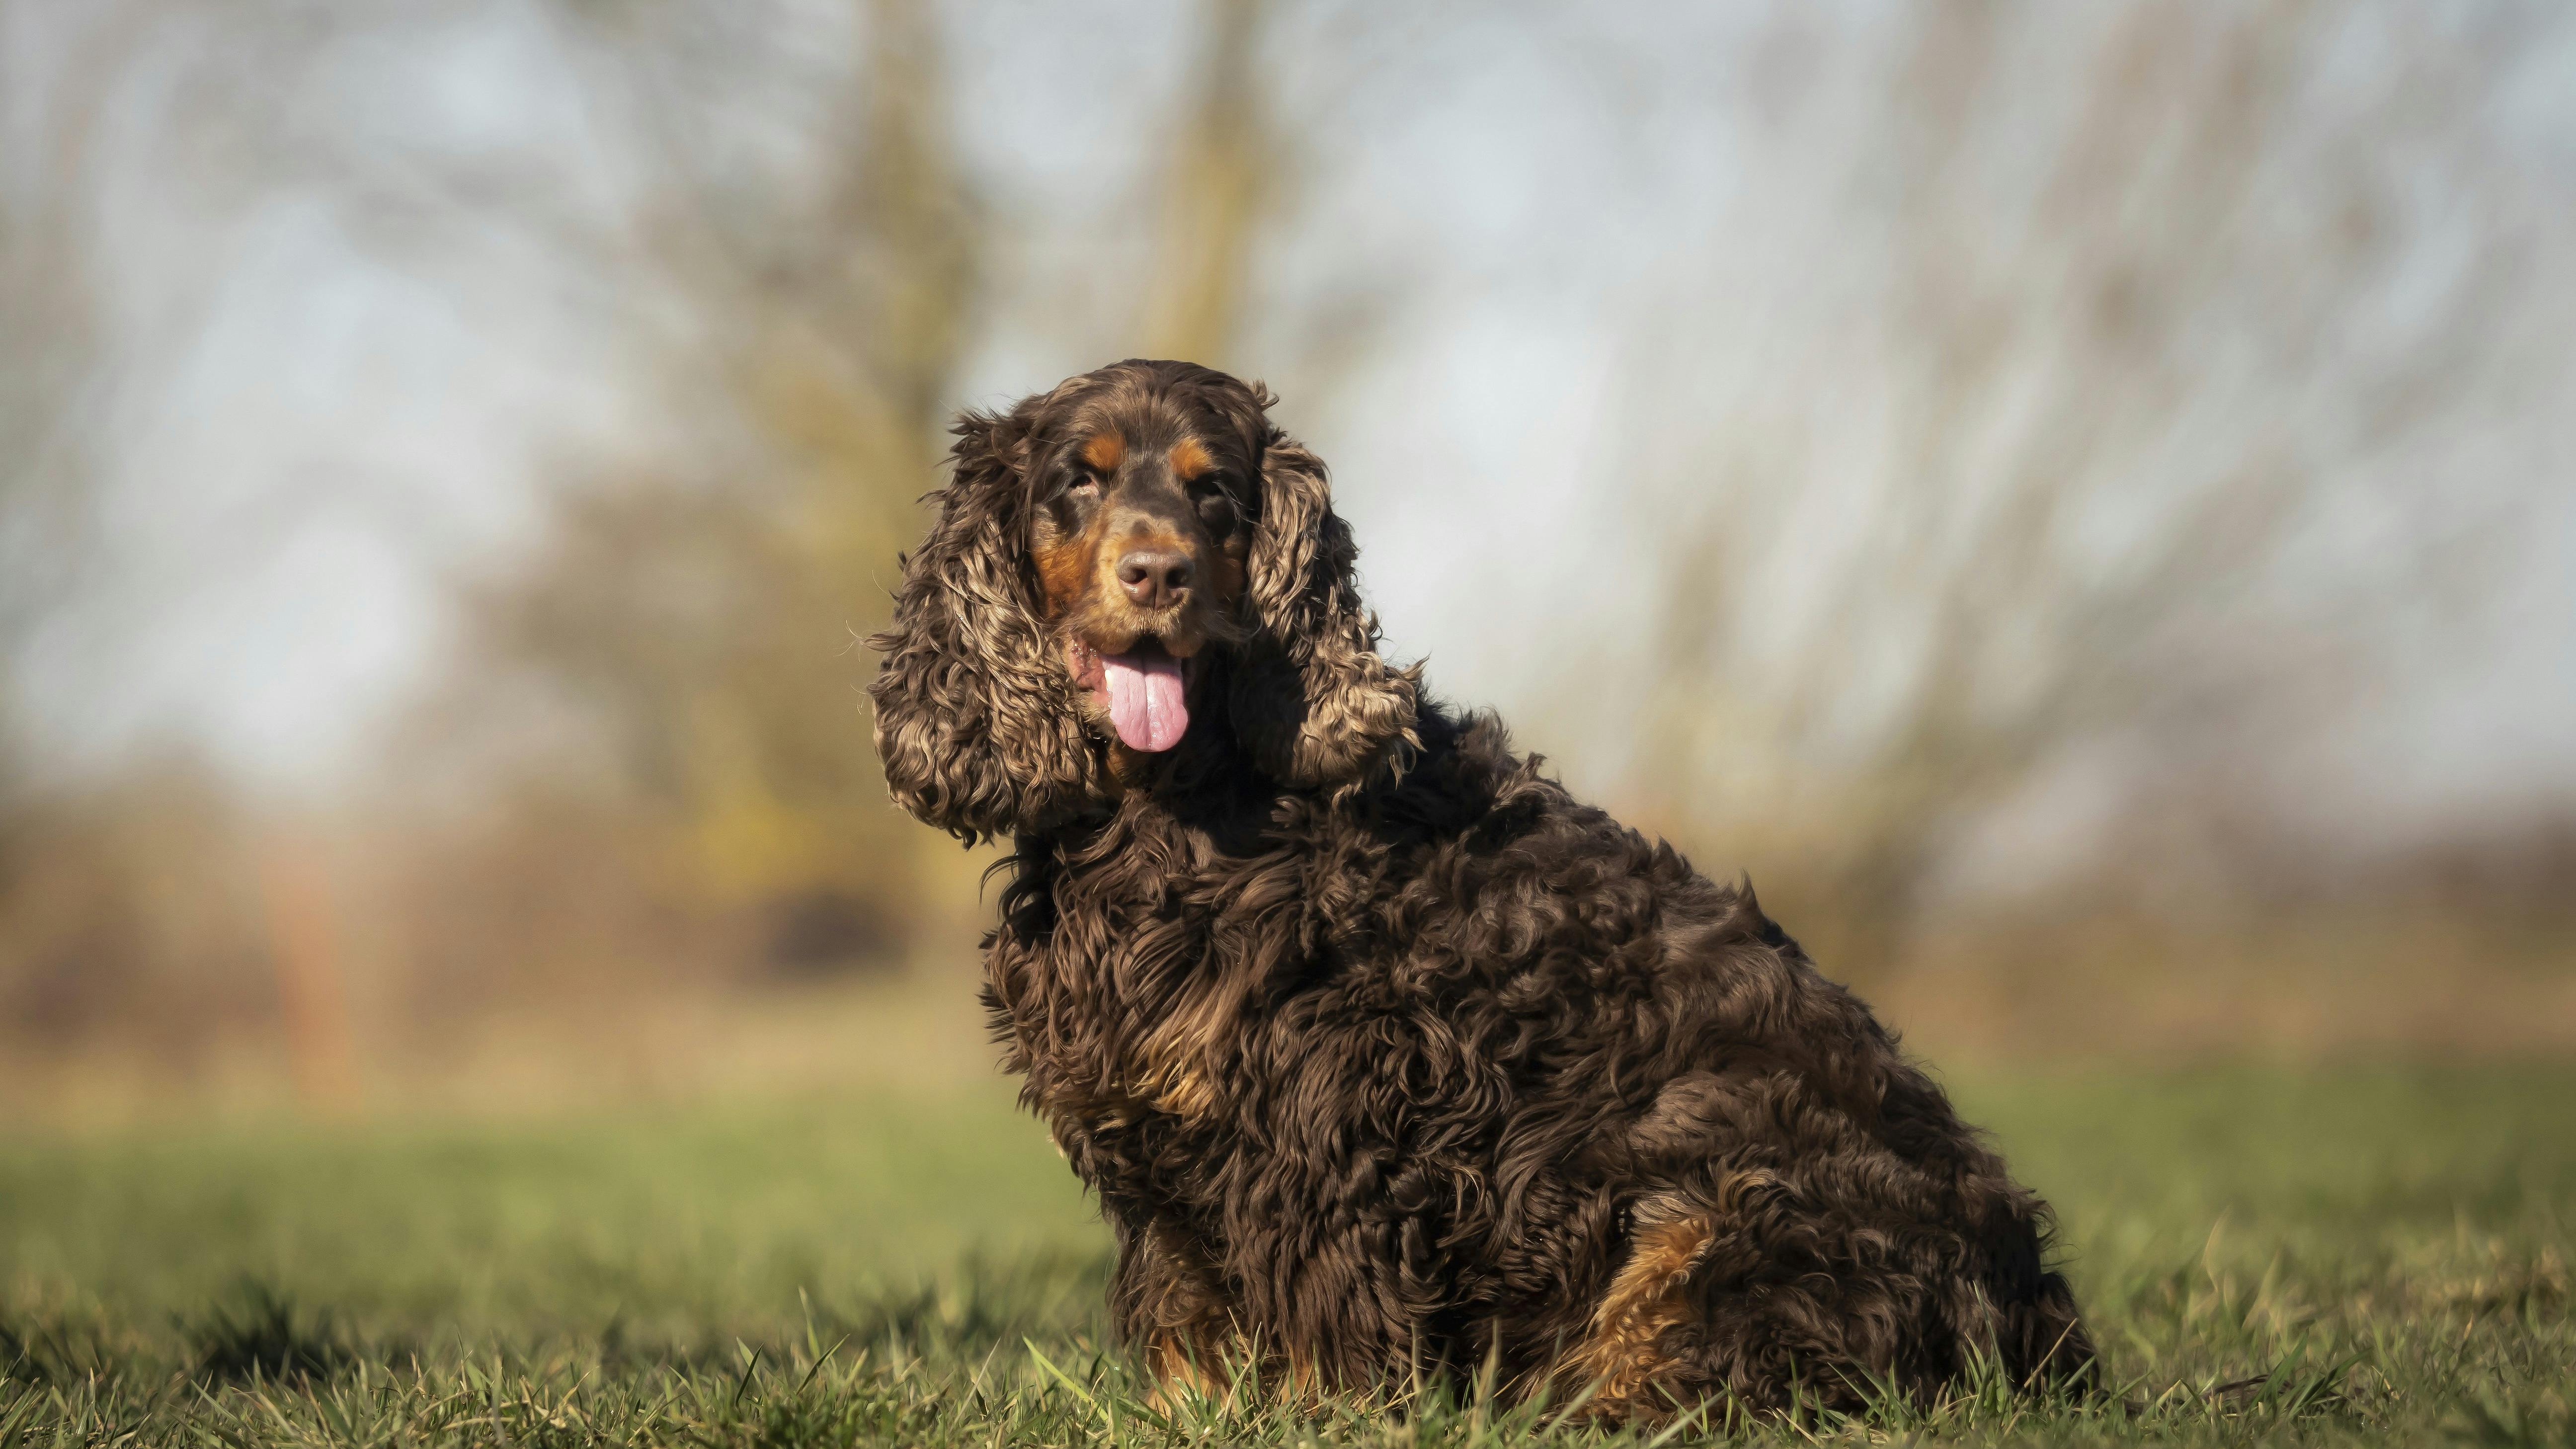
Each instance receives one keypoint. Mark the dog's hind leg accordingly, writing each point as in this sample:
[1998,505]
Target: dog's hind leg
[1625,1351]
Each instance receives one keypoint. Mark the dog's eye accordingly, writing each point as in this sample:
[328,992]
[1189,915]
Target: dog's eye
[1084,485]
[1217,511]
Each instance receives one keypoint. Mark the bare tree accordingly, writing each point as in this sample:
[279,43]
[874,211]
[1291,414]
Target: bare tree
[49,335]
[2050,445]
[1218,189]
[695,614]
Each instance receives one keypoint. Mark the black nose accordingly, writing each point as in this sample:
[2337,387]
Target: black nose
[1154,578]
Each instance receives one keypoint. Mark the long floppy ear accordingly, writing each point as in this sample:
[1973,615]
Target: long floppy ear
[975,719]
[1313,702]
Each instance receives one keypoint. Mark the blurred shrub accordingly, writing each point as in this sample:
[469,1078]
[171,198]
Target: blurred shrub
[131,907]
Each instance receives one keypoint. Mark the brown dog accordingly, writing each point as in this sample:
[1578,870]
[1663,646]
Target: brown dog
[1384,1055]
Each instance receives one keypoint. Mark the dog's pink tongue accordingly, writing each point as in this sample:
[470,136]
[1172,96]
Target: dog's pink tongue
[1145,699]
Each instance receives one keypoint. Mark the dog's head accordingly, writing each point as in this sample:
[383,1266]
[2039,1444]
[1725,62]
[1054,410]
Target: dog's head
[1134,559]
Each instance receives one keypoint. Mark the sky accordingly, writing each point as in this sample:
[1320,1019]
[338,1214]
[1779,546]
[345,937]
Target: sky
[1598,247]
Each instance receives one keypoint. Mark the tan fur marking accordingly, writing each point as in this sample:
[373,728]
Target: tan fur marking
[1304,1383]
[1174,1362]
[1190,459]
[1186,1094]
[1105,452]
[1624,1351]
[1066,565]
[1174,1061]
[1170,1070]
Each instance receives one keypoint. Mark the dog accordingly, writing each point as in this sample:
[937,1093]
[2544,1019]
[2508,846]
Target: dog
[1387,1059]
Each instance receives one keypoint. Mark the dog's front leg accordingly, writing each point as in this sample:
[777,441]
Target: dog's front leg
[1171,1307]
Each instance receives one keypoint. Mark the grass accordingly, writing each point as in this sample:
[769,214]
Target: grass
[2390,1248]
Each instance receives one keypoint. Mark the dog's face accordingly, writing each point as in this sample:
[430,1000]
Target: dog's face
[1143,506]
[1133,559]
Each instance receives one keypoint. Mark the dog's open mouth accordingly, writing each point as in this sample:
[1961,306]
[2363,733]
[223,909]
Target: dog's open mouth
[1146,689]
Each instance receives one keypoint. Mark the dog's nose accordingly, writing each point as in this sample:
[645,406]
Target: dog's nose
[1154,578]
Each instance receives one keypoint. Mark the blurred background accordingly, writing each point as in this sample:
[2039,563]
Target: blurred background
[2077,501]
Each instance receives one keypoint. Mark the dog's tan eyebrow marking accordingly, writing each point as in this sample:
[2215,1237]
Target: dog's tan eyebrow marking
[1105,452]
[1190,459]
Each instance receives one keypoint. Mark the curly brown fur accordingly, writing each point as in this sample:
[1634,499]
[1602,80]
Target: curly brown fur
[1383,1054]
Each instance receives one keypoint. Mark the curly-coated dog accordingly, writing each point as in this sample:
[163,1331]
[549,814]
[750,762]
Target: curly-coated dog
[1385,1056]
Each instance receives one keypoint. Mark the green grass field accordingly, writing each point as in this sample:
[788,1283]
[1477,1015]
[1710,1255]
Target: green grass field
[2391,1247]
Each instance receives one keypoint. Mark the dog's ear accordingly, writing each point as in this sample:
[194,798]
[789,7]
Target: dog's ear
[975,719]
[1312,701]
